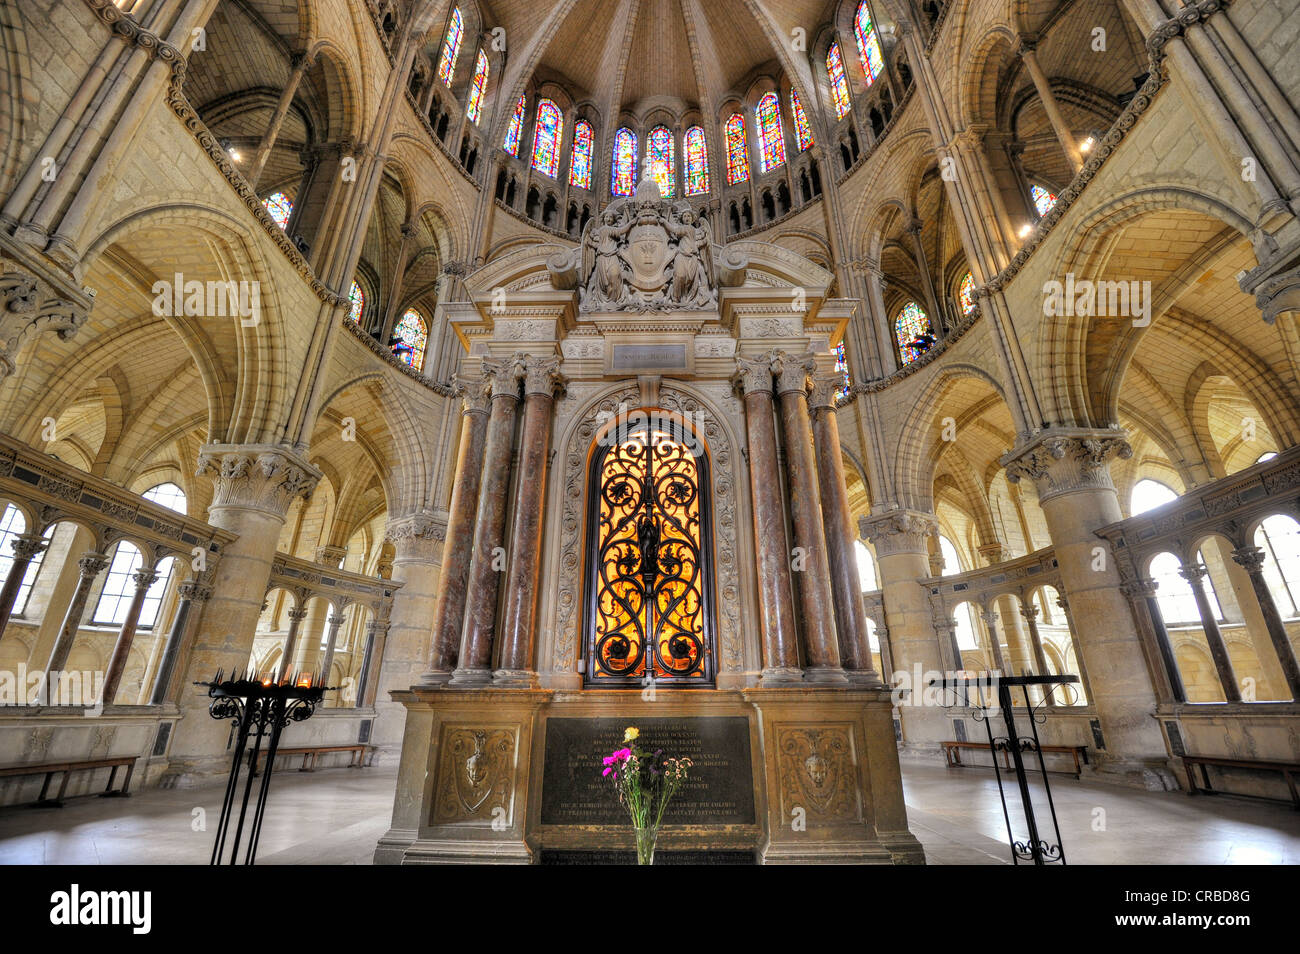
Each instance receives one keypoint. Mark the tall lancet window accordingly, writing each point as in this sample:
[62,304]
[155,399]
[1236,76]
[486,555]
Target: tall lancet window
[411,336]
[546,138]
[771,142]
[451,47]
[839,82]
[622,179]
[515,129]
[802,131]
[649,566]
[913,332]
[873,62]
[696,152]
[580,164]
[474,108]
[659,154]
[737,151]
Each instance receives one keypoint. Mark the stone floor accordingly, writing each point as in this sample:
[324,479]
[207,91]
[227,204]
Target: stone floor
[335,816]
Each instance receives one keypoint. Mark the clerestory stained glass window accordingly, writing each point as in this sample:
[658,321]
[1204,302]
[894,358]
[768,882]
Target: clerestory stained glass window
[771,143]
[356,303]
[873,62]
[516,127]
[966,294]
[737,151]
[279,207]
[842,367]
[912,328]
[547,134]
[659,154]
[697,161]
[839,82]
[474,109]
[622,180]
[451,47]
[802,131]
[412,336]
[1043,200]
[580,161]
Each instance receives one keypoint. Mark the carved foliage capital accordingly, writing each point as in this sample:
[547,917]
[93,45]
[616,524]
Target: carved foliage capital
[898,531]
[256,478]
[417,536]
[1062,464]
[793,371]
[542,375]
[503,375]
[27,545]
[754,375]
[825,391]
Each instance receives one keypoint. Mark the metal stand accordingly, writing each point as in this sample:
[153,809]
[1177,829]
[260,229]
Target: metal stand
[261,706]
[1035,848]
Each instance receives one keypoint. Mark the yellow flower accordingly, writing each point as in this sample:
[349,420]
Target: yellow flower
[631,733]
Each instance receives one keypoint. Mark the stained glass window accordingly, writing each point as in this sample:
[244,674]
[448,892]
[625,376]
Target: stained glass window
[839,82]
[912,323]
[357,306]
[280,208]
[842,368]
[803,132]
[697,161]
[771,144]
[659,153]
[580,163]
[511,145]
[737,151]
[474,109]
[622,180]
[873,63]
[451,47]
[1043,200]
[546,138]
[412,336]
[966,294]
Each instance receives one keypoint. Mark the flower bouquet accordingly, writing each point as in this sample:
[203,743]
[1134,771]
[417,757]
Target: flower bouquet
[646,783]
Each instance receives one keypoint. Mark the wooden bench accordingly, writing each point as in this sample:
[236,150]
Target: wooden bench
[952,753]
[360,754]
[1288,770]
[50,769]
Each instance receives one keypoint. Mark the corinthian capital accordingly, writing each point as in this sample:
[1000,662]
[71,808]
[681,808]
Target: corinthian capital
[793,371]
[825,391]
[475,394]
[1067,460]
[503,374]
[256,476]
[542,375]
[898,531]
[754,375]
[417,537]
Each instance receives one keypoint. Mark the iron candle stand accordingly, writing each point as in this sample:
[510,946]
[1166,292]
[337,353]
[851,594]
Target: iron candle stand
[260,708]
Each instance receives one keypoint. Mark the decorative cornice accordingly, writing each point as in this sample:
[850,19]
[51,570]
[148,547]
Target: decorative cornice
[256,476]
[1067,460]
[392,360]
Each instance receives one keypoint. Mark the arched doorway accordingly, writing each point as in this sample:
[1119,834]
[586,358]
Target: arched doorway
[649,563]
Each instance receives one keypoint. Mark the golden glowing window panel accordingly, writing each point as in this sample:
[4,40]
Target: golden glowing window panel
[649,578]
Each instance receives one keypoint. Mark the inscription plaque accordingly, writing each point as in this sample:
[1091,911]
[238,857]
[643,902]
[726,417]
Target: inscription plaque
[655,357]
[720,790]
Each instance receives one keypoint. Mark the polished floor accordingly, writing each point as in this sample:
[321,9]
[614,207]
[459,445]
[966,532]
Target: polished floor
[335,816]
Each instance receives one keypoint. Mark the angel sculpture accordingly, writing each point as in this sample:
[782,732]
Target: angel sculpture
[692,263]
[602,263]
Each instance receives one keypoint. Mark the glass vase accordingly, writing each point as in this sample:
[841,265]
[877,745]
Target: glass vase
[645,845]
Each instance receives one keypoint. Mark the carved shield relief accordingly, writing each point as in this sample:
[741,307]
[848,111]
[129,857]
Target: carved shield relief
[475,775]
[647,254]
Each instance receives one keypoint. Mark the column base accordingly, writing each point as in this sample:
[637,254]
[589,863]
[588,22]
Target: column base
[435,677]
[865,677]
[515,678]
[471,677]
[825,677]
[780,676]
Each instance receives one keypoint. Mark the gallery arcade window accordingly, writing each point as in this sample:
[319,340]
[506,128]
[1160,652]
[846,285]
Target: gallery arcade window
[649,568]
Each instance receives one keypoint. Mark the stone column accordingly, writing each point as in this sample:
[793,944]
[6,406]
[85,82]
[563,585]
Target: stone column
[25,547]
[253,486]
[821,646]
[1018,643]
[474,667]
[126,635]
[519,617]
[902,557]
[91,565]
[301,62]
[449,611]
[388,320]
[189,593]
[1142,595]
[850,615]
[1251,559]
[296,616]
[771,553]
[1030,613]
[990,618]
[1028,45]
[1071,469]
[332,634]
[376,636]
[1194,574]
[939,318]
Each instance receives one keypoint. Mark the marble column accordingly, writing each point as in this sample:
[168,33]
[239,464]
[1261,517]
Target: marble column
[287,657]
[1195,574]
[1142,595]
[1028,46]
[990,618]
[300,62]
[846,585]
[25,546]
[1071,469]
[335,620]
[821,644]
[253,486]
[771,551]
[519,616]
[143,579]
[1030,613]
[91,565]
[1251,559]
[188,593]
[449,611]
[474,664]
